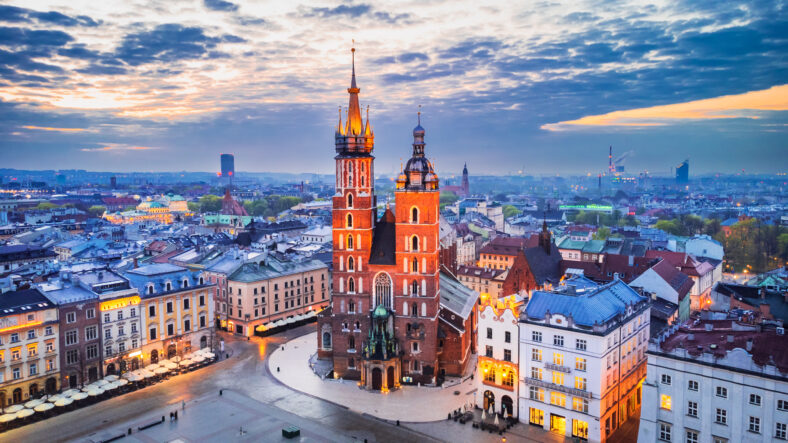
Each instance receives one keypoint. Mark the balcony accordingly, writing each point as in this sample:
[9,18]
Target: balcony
[559,368]
[555,387]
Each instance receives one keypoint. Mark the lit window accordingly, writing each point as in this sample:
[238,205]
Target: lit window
[558,378]
[580,364]
[665,402]
[558,359]
[558,399]
[536,354]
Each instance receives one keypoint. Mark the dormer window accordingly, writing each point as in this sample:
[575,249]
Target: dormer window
[168,286]
[202,280]
[150,289]
[185,283]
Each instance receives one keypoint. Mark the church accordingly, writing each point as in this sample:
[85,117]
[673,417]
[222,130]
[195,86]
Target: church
[396,316]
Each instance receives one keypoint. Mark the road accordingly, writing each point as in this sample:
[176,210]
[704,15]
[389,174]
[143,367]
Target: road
[253,401]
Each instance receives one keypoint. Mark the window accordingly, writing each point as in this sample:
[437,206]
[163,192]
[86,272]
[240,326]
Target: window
[15,355]
[133,312]
[489,375]
[47,331]
[152,333]
[664,432]
[349,223]
[91,333]
[133,328]
[106,317]
[580,364]
[50,347]
[558,399]
[186,303]
[92,351]
[169,307]
[71,337]
[666,379]
[558,340]
[722,392]
[580,404]
[202,299]
[536,373]
[692,385]
[507,337]
[781,431]
[107,350]
[580,383]
[558,359]
[692,409]
[120,315]
[508,378]
[71,317]
[108,333]
[536,393]
[507,355]
[151,310]
[350,200]
[90,313]
[122,346]
[536,336]
[414,243]
[692,436]
[580,345]
[414,215]
[31,334]
[16,374]
[489,333]
[558,378]
[72,356]
[755,399]
[488,352]
[721,417]
[14,337]
[536,354]
[33,369]
[755,424]
[666,402]
[782,405]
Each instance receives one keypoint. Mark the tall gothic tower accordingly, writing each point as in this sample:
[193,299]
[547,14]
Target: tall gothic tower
[466,187]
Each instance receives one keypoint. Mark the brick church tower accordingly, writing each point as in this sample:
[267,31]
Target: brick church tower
[382,326]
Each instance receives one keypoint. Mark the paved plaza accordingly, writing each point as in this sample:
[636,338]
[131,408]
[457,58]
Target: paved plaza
[290,365]
[254,406]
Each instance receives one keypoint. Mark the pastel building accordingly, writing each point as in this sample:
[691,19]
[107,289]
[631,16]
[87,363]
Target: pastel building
[582,358]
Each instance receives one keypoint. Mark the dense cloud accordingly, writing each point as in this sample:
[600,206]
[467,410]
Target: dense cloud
[220,5]
[15,14]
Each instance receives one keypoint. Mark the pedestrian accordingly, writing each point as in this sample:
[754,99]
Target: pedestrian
[220,392]
[176,415]
[171,417]
[183,405]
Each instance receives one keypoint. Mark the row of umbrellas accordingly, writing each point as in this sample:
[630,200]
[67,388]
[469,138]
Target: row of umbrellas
[287,321]
[166,366]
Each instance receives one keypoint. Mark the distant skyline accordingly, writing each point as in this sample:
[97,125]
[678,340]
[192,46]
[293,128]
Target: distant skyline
[540,87]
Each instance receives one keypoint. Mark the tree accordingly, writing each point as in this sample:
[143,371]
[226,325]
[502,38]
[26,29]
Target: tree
[97,210]
[210,203]
[193,206]
[711,227]
[782,245]
[256,207]
[45,206]
[602,233]
[669,226]
[448,198]
[510,211]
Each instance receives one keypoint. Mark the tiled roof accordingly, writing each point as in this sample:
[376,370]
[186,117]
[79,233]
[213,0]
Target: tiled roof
[273,268]
[677,280]
[26,300]
[587,308]
[456,297]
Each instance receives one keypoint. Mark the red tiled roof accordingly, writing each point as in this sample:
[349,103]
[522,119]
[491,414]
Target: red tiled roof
[510,245]
[677,280]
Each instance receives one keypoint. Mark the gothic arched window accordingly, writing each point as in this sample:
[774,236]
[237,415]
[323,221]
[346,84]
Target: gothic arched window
[351,264]
[414,216]
[350,241]
[414,288]
[383,290]
[350,200]
[349,223]
[350,174]
[414,243]
[351,285]
[415,265]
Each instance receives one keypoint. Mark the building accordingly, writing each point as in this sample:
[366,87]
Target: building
[583,357]
[176,310]
[464,190]
[163,210]
[232,218]
[121,314]
[260,294]
[667,283]
[318,234]
[13,257]
[500,252]
[701,272]
[483,280]
[227,168]
[383,324]
[29,349]
[682,173]
[80,328]
[498,375]
[716,381]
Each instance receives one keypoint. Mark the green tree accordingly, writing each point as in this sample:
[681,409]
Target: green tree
[782,246]
[97,210]
[510,211]
[193,206]
[602,233]
[210,203]
[669,226]
[691,224]
[256,207]
[448,198]
[46,206]
[712,227]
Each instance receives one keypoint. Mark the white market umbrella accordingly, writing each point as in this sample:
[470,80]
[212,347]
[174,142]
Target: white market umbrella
[13,409]
[122,382]
[209,355]
[205,349]
[109,386]
[170,365]
[43,407]
[148,374]
[5,418]
[25,413]
[79,396]
[161,371]
[33,403]
[279,323]
[95,392]
[151,366]
[495,422]
[484,415]
[111,378]
[290,320]
[100,383]
[69,393]
[176,359]
[186,362]
[64,402]
[54,398]
[198,359]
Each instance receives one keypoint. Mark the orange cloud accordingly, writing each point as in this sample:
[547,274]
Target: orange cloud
[47,128]
[117,147]
[745,105]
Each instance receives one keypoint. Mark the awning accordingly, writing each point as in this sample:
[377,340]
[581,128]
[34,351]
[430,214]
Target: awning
[79,396]
[111,378]
[95,392]
[151,366]
[55,398]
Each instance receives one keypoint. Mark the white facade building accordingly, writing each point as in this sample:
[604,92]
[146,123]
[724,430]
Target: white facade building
[582,358]
[498,345]
[716,385]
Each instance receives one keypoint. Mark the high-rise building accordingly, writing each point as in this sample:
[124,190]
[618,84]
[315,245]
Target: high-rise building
[388,292]
[682,173]
[228,168]
[113,182]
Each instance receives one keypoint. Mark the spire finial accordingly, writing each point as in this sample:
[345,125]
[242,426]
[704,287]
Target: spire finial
[353,63]
[367,112]
[419,114]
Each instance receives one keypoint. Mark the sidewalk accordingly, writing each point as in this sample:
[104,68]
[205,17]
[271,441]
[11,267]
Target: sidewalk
[408,404]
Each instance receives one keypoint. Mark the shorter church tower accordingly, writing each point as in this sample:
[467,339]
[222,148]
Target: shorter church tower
[466,186]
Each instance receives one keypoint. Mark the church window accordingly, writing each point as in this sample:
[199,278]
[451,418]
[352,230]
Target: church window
[383,295]
[326,340]
[350,174]
[350,200]
[349,223]
[351,342]
[415,266]
[351,285]
[351,307]
[415,243]
[414,216]
[351,266]
[414,288]
[414,310]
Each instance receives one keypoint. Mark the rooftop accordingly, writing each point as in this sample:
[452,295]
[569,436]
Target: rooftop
[27,300]
[156,269]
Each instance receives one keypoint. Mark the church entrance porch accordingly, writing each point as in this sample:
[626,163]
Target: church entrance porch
[380,375]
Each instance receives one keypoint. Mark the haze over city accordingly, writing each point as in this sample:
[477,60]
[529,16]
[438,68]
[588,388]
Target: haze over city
[541,88]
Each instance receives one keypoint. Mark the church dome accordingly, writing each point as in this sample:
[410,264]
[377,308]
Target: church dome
[418,131]
[418,164]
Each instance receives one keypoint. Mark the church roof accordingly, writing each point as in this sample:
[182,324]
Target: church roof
[384,241]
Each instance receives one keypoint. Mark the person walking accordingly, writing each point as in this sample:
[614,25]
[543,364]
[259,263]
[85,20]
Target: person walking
[183,405]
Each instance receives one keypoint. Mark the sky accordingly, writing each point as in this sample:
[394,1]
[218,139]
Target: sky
[534,87]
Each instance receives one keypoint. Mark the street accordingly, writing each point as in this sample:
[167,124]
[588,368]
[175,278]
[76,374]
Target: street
[254,406]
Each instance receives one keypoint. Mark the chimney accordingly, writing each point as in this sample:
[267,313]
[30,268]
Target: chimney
[762,292]
[615,276]
[631,261]
[749,345]
[135,264]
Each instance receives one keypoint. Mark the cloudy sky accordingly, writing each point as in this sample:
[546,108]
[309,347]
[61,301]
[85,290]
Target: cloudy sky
[542,87]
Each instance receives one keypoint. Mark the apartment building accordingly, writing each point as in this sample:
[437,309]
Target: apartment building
[582,358]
